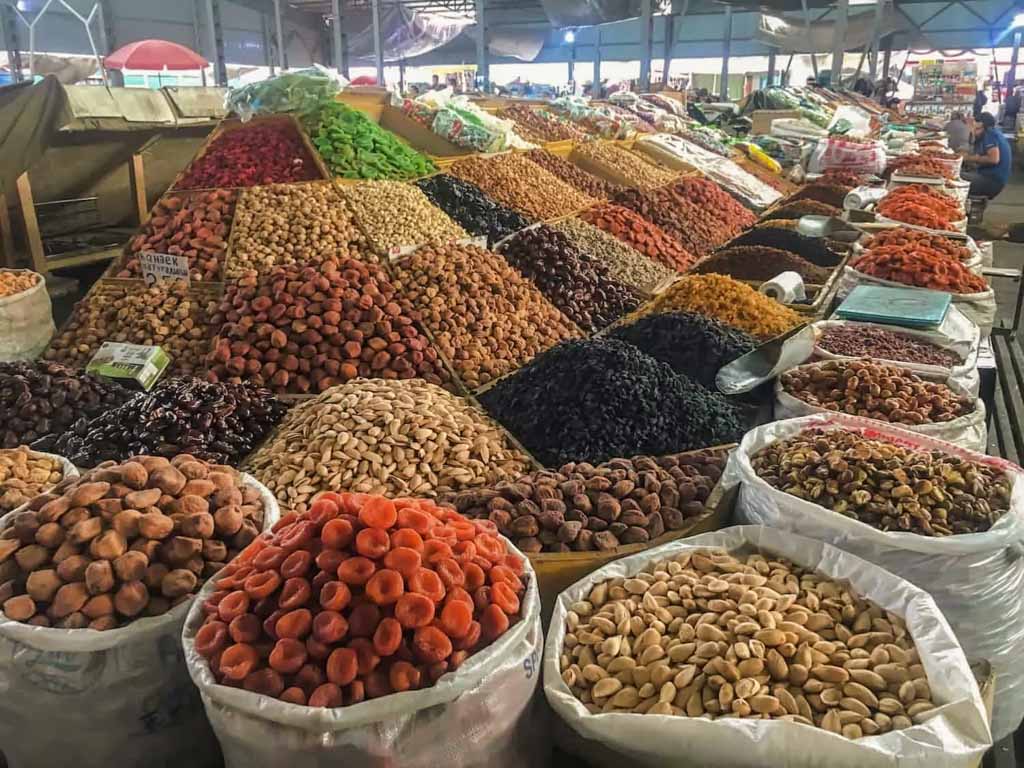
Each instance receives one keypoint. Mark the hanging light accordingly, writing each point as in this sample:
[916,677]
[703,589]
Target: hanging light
[1018,21]
[569,37]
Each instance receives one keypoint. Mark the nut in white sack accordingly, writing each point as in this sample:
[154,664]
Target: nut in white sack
[980,308]
[956,735]
[26,322]
[968,431]
[480,716]
[78,698]
[977,579]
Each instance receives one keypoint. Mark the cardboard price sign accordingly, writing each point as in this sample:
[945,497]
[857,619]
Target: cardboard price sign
[158,267]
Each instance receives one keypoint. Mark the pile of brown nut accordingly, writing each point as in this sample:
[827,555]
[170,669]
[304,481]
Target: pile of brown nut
[168,314]
[614,162]
[716,635]
[876,391]
[291,223]
[397,438]
[582,507]
[624,264]
[886,486]
[395,215]
[487,319]
[25,474]
[124,541]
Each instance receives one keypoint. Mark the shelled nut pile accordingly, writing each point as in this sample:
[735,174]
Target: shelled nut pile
[398,438]
[304,328]
[13,283]
[711,634]
[487,319]
[614,162]
[623,263]
[572,174]
[169,315]
[398,215]
[876,391]
[124,541]
[886,486]
[25,474]
[868,341]
[582,507]
[289,224]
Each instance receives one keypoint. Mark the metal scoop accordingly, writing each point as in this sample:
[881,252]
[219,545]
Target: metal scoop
[766,361]
[828,226]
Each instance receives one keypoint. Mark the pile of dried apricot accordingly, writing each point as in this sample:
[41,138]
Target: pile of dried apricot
[357,598]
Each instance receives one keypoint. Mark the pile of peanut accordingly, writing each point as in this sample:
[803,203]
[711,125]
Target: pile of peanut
[711,634]
[124,541]
[13,282]
[396,438]
[610,161]
[396,215]
[290,224]
[168,315]
[25,474]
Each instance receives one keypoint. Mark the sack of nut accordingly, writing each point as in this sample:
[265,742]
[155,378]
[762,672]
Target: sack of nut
[384,649]
[945,519]
[889,393]
[97,577]
[751,647]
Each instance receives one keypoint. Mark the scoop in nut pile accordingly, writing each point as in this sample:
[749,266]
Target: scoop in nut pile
[398,594]
[869,389]
[124,542]
[711,634]
[886,486]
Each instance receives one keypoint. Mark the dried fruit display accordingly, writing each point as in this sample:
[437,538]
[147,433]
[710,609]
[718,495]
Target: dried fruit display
[919,266]
[729,215]
[917,238]
[12,283]
[583,508]
[756,262]
[680,219]
[598,399]
[624,264]
[40,399]
[301,329]
[800,208]
[611,161]
[920,166]
[728,301]
[812,249]
[124,542]
[25,474]
[823,192]
[395,215]
[514,181]
[920,205]
[854,340]
[587,183]
[222,423]
[486,318]
[398,594]
[883,392]
[541,125]
[471,209]
[642,235]
[842,178]
[925,492]
[706,659]
[258,153]
[576,284]
[195,226]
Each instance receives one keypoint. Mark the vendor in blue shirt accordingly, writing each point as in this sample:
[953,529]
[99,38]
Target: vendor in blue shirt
[991,156]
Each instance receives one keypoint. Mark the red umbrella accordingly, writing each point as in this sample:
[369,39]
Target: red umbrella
[154,54]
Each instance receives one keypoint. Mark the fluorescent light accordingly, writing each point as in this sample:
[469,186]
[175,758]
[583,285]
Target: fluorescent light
[569,36]
[1018,21]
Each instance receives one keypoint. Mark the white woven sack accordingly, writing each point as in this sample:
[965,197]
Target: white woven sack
[26,322]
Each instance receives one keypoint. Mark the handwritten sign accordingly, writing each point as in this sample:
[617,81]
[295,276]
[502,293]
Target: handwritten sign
[159,267]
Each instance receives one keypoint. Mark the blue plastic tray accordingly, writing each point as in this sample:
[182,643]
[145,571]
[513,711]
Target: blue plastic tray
[911,307]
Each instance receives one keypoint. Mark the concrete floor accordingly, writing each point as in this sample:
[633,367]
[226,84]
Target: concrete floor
[1007,208]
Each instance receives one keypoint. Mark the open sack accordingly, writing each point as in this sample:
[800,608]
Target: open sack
[969,431]
[26,322]
[480,716]
[78,698]
[956,735]
[977,580]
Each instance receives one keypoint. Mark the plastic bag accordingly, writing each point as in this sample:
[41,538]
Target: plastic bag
[968,431]
[480,716]
[302,92]
[854,120]
[78,698]
[26,322]
[859,157]
[976,579]
[955,737]
[965,375]
[980,308]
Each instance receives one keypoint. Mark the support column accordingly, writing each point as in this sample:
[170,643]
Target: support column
[9,27]
[378,41]
[336,35]
[886,63]
[483,69]
[1011,75]
[268,43]
[279,26]
[723,91]
[216,42]
[107,41]
[572,65]
[771,67]
[873,60]
[839,41]
[807,28]
[596,90]
[679,11]
[646,20]
[197,25]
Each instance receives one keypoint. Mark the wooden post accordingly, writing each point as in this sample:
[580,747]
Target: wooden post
[28,215]
[8,258]
[137,172]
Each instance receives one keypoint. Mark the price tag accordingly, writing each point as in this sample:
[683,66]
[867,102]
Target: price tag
[397,251]
[480,241]
[159,267]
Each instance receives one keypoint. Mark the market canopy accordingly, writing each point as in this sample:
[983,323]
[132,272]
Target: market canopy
[154,54]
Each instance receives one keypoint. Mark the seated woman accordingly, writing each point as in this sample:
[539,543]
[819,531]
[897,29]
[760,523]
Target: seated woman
[991,156]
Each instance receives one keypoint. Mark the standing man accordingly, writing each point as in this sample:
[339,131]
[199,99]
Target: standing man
[992,157]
